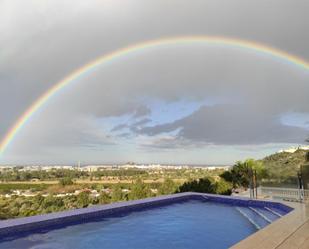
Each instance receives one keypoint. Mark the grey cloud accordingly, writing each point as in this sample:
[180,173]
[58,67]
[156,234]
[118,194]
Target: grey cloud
[195,76]
[142,122]
[42,43]
[171,143]
[133,127]
[230,124]
[70,38]
[119,127]
[142,111]
[125,135]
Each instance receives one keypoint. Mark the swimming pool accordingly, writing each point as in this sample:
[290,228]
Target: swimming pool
[194,221]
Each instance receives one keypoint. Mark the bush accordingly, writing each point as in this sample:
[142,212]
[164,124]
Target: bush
[223,187]
[207,185]
[307,157]
[104,198]
[66,181]
[167,187]
[139,190]
[117,194]
[83,199]
[203,185]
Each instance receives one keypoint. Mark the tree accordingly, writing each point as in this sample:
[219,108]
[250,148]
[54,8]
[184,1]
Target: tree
[223,187]
[203,185]
[66,181]
[240,173]
[167,187]
[139,190]
[307,154]
[104,198]
[83,199]
[117,194]
[52,204]
[231,176]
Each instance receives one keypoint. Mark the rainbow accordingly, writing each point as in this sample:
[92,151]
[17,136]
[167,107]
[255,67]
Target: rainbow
[213,40]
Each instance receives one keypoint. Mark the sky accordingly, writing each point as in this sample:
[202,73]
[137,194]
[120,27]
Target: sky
[179,104]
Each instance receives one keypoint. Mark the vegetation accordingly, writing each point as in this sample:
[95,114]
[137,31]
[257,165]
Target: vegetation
[19,174]
[223,187]
[203,185]
[41,175]
[239,175]
[207,185]
[68,195]
[139,190]
[279,169]
[282,167]
[66,181]
[167,187]
[307,157]
[305,170]
[6,188]
[20,206]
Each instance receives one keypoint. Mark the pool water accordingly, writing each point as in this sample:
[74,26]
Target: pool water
[191,224]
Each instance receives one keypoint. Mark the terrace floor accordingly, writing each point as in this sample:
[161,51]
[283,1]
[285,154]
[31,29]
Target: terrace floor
[289,232]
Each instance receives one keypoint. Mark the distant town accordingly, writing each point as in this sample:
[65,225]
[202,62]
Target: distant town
[93,168]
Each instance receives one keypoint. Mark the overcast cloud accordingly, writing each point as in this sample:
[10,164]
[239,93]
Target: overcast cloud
[184,103]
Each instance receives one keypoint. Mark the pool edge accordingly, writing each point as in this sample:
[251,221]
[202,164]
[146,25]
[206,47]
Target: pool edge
[20,227]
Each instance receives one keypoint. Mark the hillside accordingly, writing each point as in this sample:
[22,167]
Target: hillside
[284,166]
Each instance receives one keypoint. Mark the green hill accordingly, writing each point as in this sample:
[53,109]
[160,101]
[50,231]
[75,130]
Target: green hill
[283,166]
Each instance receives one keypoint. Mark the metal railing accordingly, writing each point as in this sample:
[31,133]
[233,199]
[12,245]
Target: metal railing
[285,193]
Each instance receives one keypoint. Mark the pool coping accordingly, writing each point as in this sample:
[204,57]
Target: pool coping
[23,226]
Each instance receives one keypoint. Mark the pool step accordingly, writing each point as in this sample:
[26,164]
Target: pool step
[274,212]
[254,217]
[260,212]
[268,214]
[248,218]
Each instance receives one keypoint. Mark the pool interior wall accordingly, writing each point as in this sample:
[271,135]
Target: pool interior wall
[16,228]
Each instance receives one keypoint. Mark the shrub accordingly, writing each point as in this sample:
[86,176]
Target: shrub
[139,190]
[167,187]
[203,185]
[66,181]
[223,187]
[83,199]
